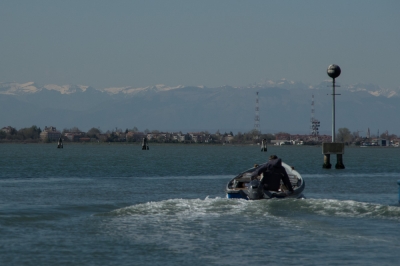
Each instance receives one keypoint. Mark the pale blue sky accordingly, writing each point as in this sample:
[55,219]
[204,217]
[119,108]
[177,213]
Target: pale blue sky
[211,43]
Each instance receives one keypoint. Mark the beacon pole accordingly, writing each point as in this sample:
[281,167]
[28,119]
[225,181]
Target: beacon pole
[333,147]
[333,111]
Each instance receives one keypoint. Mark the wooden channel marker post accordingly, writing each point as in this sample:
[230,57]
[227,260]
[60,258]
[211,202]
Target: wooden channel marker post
[334,147]
[145,146]
[264,145]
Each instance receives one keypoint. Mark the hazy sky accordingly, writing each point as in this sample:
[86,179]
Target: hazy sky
[211,43]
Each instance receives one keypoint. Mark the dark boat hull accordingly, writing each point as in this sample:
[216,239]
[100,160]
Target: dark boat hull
[241,187]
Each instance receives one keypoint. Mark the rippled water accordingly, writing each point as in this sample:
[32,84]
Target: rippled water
[118,205]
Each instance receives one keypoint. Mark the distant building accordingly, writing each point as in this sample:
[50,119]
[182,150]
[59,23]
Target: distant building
[282,136]
[228,138]
[135,136]
[287,139]
[197,137]
[7,130]
[102,137]
[74,136]
[158,136]
[50,133]
[180,137]
[395,142]
[208,138]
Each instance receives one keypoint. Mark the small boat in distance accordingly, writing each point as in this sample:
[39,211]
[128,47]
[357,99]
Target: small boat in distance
[242,187]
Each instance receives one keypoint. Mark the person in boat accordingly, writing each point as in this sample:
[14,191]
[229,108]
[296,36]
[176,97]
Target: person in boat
[273,172]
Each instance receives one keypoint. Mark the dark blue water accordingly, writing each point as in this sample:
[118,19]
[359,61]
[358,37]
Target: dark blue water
[119,205]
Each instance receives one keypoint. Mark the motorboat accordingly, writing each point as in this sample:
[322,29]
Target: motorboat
[243,187]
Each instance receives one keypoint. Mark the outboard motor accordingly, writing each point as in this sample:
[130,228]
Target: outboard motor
[255,190]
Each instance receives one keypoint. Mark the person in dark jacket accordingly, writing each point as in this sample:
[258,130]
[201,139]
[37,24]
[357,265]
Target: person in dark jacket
[273,172]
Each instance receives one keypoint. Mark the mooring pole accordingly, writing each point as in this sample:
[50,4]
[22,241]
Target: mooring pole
[327,161]
[339,161]
[398,183]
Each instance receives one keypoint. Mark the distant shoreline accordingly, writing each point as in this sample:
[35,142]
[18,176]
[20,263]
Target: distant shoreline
[66,144]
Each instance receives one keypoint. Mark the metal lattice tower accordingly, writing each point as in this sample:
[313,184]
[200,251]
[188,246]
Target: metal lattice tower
[314,122]
[257,118]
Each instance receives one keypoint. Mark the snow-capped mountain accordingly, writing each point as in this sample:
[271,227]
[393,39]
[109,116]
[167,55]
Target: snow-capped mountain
[374,90]
[13,88]
[283,105]
[133,90]
[66,89]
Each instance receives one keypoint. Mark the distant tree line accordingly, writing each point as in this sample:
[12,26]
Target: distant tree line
[24,134]
[348,137]
[32,134]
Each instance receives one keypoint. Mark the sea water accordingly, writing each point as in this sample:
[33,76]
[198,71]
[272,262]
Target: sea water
[98,204]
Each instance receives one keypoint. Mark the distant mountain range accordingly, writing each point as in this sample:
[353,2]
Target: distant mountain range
[283,106]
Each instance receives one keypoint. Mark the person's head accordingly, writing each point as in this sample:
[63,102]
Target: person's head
[256,165]
[273,157]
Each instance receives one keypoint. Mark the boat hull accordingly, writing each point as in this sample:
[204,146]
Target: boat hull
[239,187]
